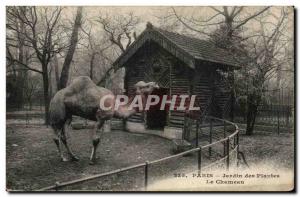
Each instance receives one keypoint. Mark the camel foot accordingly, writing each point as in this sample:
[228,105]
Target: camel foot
[92,162]
[64,159]
[74,158]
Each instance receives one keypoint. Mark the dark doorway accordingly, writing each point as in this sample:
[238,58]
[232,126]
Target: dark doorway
[156,118]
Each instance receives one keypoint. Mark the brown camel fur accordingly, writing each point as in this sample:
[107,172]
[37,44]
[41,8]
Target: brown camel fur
[82,98]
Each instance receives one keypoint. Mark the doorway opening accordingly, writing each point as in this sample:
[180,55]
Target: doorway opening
[156,118]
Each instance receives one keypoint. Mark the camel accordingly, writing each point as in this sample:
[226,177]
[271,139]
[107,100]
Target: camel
[81,98]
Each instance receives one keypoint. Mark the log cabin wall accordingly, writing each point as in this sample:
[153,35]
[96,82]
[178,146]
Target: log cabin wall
[212,89]
[180,65]
[180,85]
[134,72]
[150,63]
[203,88]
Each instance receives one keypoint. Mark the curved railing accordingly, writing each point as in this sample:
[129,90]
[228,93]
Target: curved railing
[229,142]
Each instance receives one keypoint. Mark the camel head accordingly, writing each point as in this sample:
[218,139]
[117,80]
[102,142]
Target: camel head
[145,88]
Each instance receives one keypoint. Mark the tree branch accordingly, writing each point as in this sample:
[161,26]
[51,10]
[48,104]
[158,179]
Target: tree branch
[251,17]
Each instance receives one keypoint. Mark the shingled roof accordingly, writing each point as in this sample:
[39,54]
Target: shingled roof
[188,49]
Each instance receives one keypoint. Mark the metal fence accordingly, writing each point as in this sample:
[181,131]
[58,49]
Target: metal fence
[268,114]
[276,109]
[228,141]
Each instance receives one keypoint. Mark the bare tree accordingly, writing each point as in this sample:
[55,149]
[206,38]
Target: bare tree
[42,35]
[121,31]
[231,19]
[46,37]
[96,48]
[120,28]
[259,52]
[264,55]
[72,46]
[32,87]
[21,54]
[56,71]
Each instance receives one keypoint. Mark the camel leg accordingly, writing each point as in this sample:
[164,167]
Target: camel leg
[57,140]
[96,134]
[64,140]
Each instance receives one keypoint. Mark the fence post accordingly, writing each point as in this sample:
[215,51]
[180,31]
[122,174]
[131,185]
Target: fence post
[270,113]
[197,133]
[199,159]
[27,118]
[200,125]
[237,149]
[278,110]
[278,128]
[210,137]
[224,135]
[56,186]
[227,147]
[183,136]
[146,175]
[41,105]
[287,110]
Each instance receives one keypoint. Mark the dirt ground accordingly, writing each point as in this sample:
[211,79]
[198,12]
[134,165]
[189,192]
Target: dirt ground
[33,161]
[269,148]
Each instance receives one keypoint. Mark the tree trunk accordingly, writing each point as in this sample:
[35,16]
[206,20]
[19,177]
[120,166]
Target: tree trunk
[30,105]
[73,42]
[104,79]
[21,77]
[56,72]
[92,65]
[250,115]
[50,81]
[232,96]
[20,86]
[46,93]
[252,109]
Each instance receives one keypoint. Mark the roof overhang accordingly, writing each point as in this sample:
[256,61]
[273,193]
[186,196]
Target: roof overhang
[157,37]
[154,35]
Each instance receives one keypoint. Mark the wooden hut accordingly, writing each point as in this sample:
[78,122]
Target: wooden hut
[180,65]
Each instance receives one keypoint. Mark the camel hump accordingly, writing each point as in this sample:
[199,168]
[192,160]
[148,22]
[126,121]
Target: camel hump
[82,79]
[79,84]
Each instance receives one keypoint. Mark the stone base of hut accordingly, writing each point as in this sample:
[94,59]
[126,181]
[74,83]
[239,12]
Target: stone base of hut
[167,132]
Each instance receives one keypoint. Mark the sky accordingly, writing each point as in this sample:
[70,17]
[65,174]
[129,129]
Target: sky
[151,13]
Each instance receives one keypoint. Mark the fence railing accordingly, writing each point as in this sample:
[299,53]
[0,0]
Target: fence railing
[268,114]
[230,144]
